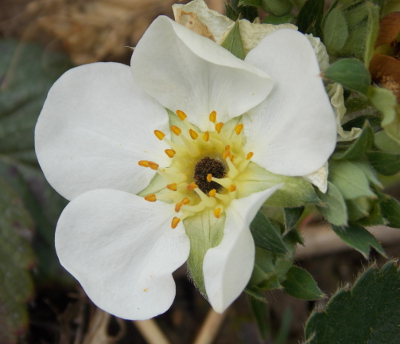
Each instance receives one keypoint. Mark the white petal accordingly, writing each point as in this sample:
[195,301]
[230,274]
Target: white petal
[189,72]
[123,251]
[96,124]
[228,267]
[293,131]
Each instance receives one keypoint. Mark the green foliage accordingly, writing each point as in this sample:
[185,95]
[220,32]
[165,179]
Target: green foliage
[16,259]
[300,284]
[390,209]
[274,20]
[244,9]
[26,200]
[358,238]
[277,7]
[292,216]
[233,42]
[385,163]
[351,73]
[266,235]
[335,31]
[334,208]
[310,17]
[367,313]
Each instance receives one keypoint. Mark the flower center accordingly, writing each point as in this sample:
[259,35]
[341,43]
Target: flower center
[204,169]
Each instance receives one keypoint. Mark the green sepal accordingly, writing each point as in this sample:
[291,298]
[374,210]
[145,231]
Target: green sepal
[334,207]
[205,231]
[335,31]
[310,17]
[350,179]
[358,238]
[386,143]
[292,216]
[385,163]
[261,314]
[355,210]
[367,313]
[386,103]
[274,20]
[300,284]
[374,217]
[351,73]
[233,42]
[360,145]
[266,235]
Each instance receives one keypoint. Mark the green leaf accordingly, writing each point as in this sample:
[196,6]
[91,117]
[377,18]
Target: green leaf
[300,284]
[274,20]
[233,42]
[351,73]
[367,313]
[292,216]
[277,7]
[335,31]
[355,44]
[358,148]
[385,163]
[350,179]
[355,14]
[261,313]
[231,12]
[372,31]
[390,209]
[359,238]
[386,103]
[385,143]
[334,208]
[16,259]
[266,235]
[257,3]
[310,17]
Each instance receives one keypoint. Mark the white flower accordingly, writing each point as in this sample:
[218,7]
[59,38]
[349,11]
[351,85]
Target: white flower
[95,138]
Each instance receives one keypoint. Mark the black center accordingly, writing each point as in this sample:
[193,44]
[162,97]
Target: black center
[204,167]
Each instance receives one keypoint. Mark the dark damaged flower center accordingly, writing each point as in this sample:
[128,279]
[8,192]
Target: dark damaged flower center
[205,167]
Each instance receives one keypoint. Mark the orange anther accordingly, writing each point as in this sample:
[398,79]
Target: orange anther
[175,222]
[238,129]
[218,127]
[143,163]
[212,192]
[231,157]
[209,177]
[172,187]
[193,134]
[217,212]
[181,114]
[178,206]
[192,186]
[232,188]
[249,155]
[225,154]
[227,147]
[213,116]
[160,135]
[185,200]
[151,198]
[175,130]
[153,165]
[170,152]
[206,136]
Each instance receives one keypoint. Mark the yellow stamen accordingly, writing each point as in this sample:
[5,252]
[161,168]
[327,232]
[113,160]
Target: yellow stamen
[208,201]
[143,163]
[170,153]
[160,135]
[209,176]
[238,129]
[217,213]
[226,154]
[232,188]
[249,155]
[219,126]
[212,193]
[175,222]
[186,201]
[206,136]
[175,130]
[172,187]
[213,116]
[151,198]
[193,134]
[178,207]
[153,165]
[181,114]
[192,186]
